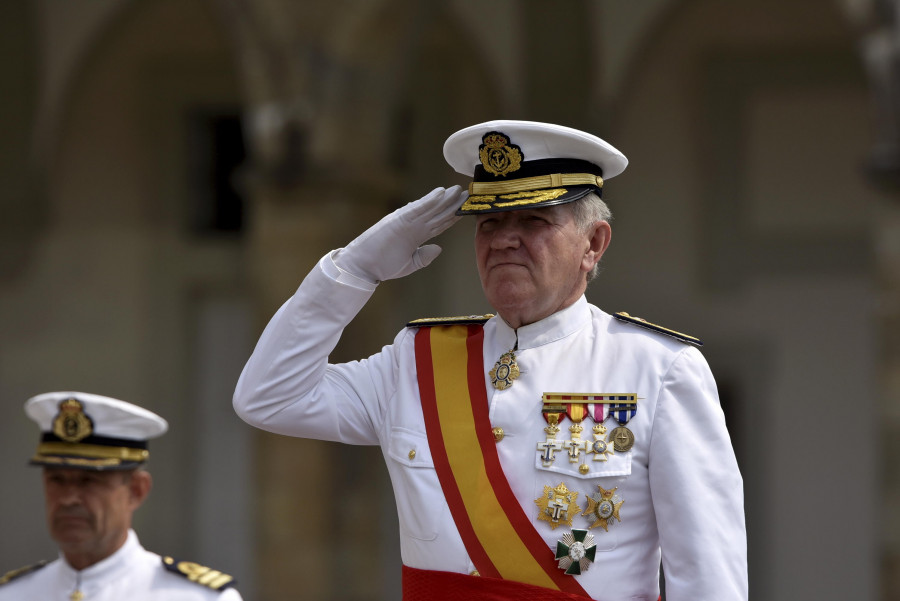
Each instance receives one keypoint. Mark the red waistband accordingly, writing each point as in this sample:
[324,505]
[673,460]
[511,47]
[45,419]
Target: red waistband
[430,585]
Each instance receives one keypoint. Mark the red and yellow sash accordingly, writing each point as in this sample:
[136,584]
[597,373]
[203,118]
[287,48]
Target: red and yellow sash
[499,537]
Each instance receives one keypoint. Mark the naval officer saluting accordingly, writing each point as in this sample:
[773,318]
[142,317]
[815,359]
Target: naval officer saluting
[554,450]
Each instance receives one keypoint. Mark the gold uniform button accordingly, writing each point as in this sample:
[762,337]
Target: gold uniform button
[474,573]
[498,434]
[412,454]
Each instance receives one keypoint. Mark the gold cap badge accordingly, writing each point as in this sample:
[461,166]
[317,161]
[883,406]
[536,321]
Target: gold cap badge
[71,424]
[497,155]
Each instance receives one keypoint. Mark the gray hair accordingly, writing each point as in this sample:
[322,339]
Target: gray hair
[587,211]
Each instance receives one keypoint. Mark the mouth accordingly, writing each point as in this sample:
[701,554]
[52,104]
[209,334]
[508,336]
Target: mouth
[71,520]
[500,264]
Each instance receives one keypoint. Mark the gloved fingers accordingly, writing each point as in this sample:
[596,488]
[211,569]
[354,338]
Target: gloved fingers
[424,255]
[434,212]
[421,208]
[446,215]
[434,205]
[392,247]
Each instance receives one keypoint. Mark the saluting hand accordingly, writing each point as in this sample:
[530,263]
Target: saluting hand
[393,247]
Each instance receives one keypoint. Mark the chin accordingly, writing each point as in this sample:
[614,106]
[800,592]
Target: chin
[71,541]
[509,306]
[71,533]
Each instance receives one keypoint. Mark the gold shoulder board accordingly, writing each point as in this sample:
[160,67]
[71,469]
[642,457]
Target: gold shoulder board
[622,316]
[427,322]
[13,574]
[194,572]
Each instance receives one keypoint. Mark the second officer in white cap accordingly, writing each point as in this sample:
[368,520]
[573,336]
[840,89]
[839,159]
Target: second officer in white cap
[92,450]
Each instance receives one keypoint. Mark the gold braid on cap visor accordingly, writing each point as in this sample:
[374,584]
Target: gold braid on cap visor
[553,180]
[90,451]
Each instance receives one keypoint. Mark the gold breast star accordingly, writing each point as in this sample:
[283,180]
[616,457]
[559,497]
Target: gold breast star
[557,505]
[505,371]
[604,507]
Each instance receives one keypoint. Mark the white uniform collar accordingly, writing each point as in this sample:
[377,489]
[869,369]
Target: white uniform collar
[550,329]
[105,569]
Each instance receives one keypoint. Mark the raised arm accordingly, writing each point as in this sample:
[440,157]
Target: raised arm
[287,385]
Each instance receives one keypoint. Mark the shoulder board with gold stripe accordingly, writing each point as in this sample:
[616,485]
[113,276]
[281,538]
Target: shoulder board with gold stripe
[622,316]
[13,574]
[194,572]
[427,322]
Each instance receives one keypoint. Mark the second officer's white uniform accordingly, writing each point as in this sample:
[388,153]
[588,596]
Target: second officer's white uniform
[130,574]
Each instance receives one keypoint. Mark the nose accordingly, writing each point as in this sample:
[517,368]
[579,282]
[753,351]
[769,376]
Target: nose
[68,494]
[506,234]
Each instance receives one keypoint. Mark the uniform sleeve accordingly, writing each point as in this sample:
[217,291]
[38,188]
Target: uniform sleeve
[288,386]
[230,594]
[696,488]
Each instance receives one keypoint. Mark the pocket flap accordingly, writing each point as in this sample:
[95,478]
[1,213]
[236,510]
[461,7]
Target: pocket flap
[410,448]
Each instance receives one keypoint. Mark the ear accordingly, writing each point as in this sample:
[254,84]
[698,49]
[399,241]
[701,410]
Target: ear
[139,486]
[600,236]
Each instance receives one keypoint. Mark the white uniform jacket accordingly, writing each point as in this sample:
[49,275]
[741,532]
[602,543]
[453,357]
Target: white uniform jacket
[130,574]
[680,488]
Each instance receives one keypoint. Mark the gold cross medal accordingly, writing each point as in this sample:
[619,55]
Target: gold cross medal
[505,371]
[603,508]
[576,446]
[557,505]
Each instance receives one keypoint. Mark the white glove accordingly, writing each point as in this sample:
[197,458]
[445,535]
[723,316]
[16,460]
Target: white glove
[392,248]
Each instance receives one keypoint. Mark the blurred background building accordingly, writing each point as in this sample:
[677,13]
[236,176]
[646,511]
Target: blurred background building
[171,169]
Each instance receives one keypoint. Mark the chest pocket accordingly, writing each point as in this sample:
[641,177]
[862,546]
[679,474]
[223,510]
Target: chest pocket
[420,505]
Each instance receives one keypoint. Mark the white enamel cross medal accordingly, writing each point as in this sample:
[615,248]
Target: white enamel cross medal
[548,448]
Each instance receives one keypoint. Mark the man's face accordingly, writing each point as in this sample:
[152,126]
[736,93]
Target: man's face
[534,262]
[88,512]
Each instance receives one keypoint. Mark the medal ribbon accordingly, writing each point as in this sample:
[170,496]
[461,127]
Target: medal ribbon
[597,411]
[623,414]
[499,537]
[553,415]
[576,412]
